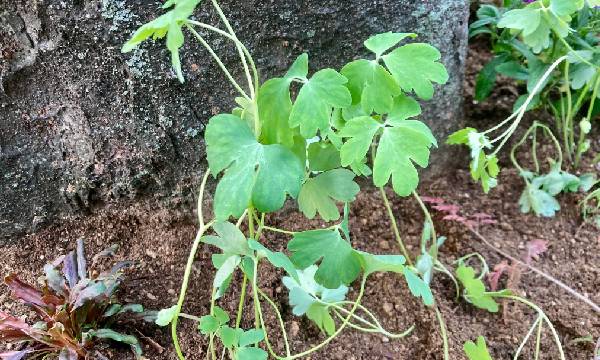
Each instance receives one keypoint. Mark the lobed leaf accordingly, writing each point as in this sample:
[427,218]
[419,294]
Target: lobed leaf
[318,96]
[339,264]
[318,194]
[261,175]
[415,67]
[477,351]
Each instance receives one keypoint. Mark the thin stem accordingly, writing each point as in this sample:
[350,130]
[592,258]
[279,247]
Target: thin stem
[537,321]
[219,62]
[238,318]
[339,330]
[280,319]
[538,340]
[376,327]
[184,286]
[274,229]
[395,229]
[434,245]
[543,315]
[239,48]
[568,125]
[564,286]
[588,118]
[521,111]
[189,317]
[442,323]
[236,41]
[200,197]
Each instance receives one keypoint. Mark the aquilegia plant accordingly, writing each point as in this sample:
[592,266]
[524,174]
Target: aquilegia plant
[359,121]
[551,47]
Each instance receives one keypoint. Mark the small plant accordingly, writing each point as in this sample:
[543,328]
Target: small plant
[74,308]
[475,293]
[549,45]
[359,121]
[590,206]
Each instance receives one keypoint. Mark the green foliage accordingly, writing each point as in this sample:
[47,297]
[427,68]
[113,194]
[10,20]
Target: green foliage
[477,351]
[318,96]
[306,136]
[475,289]
[74,308]
[169,25]
[314,300]
[339,263]
[318,194]
[540,191]
[255,174]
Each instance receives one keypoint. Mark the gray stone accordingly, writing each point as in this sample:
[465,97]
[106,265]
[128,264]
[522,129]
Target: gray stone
[82,125]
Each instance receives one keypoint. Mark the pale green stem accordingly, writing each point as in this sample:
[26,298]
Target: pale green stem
[395,229]
[188,268]
[537,321]
[273,229]
[427,214]
[280,319]
[440,319]
[219,62]
[239,48]
[240,309]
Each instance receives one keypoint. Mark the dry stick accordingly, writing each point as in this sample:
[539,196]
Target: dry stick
[568,289]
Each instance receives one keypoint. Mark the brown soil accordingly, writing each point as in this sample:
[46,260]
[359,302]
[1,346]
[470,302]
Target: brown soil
[159,243]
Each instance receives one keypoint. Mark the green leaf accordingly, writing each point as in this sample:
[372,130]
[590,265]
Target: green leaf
[565,7]
[307,297]
[418,287]
[477,351]
[400,145]
[360,130]
[277,259]
[415,67]
[339,263]
[275,105]
[168,24]
[230,239]
[404,107]
[318,194]
[536,23]
[460,137]
[225,271]
[221,315]
[165,316]
[255,174]
[251,353]
[229,337]
[251,337]
[541,202]
[475,289]
[381,43]
[311,111]
[486,80]
[208,324]
[371,85]
[381,263]
[323,156]
[117,336]
[321,317]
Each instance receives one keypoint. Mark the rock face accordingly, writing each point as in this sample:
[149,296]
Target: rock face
[82,125]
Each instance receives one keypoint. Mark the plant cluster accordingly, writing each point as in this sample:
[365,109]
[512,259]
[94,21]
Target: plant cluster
[74,309]
[550,46]
[307,136]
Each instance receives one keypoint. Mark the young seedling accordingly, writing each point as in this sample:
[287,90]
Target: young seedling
[541,189]
[309,147]
[475,293]
[75,309]
[549,46]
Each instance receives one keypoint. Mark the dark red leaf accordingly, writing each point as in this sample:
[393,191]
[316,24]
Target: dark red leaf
[494,276]
[534,249]
[432,200]
[24,291]
[448,208]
